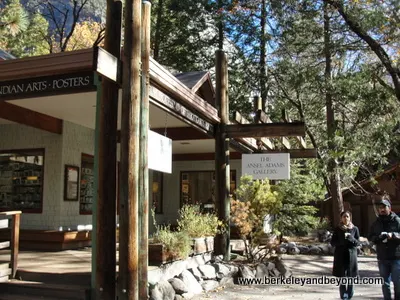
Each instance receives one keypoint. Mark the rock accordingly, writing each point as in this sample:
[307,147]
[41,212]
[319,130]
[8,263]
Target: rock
[178,297]
[190,281]
[282,268]
[227,281]
[324,235]
[281,250]
[209,285]
[221,270]
[162,291]
[270,265]
[233,270]
[196,273]
[188,295]
[315,250]
[294,251]
[207,272]
[291,245]
[262,271]
[247,272]
[303,249]
[178,286]
[274,272]
[326,249]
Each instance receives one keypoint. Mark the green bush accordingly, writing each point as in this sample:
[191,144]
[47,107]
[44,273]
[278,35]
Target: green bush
[195,223]
[177,243]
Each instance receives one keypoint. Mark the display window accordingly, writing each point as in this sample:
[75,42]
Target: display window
[87,184]
[157,192]
[198,187]
[21,180]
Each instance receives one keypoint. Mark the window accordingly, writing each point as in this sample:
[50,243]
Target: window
[87,184]
[21,180]
[157,192]
[199,186]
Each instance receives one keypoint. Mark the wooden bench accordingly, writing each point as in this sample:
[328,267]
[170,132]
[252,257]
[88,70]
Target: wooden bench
[9,269]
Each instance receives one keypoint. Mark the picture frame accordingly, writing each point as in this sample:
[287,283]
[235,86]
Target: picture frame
[71,183]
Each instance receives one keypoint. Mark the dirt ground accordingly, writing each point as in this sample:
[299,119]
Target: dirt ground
[303,266]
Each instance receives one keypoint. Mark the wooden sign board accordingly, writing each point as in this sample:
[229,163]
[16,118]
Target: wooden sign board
[106,64]
[274,166]
[49,85]
[159,152]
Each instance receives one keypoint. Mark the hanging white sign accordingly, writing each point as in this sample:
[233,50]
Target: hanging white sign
[159,152]
[274,166]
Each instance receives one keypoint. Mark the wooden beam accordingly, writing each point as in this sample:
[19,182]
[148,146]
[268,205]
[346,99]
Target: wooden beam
[299,139]
[222,166]
[265,141]
[262,117]
[182,133]
[169,84]
[202,156]
[143,159]
[296,153]
[52,64]
[106,130]
[265,130]
[30,118]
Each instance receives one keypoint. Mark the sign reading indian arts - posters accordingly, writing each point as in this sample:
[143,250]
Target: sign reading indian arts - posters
[274,166]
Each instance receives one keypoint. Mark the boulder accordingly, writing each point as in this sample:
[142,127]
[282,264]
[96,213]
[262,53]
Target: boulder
[178,286]
[207,272]
[163,290]
[190,281]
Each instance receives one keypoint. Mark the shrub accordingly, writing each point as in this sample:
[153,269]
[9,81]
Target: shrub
[195,223]
[176,243]
[254,200]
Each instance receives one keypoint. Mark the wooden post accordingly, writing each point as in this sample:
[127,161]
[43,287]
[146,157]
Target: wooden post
[222,169]
[129,176]
[143,166]
[107,163]
[15,242]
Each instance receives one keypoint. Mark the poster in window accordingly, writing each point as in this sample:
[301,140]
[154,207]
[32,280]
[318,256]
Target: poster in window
[71,182]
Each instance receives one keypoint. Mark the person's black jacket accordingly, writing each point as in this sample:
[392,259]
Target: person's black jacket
[345,256]
[390,249]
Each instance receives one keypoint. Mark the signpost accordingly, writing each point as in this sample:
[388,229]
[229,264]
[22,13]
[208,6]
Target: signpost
[274,166]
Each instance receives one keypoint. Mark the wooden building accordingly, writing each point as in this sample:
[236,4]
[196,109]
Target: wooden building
[360,198]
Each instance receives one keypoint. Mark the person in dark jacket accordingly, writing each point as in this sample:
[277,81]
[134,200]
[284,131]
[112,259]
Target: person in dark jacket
[385,234]
[345,239]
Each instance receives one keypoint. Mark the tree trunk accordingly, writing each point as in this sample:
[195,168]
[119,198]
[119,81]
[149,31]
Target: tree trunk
[333,170]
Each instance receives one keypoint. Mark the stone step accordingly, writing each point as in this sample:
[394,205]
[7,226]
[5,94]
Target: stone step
[21,289]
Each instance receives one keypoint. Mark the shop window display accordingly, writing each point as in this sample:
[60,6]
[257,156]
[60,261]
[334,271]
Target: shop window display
[87,184]
[198,187]
[21,180]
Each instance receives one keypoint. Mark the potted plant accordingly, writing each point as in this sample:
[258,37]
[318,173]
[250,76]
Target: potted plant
[167,245]
[201,227]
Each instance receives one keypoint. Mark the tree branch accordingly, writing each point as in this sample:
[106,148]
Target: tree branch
[372,43]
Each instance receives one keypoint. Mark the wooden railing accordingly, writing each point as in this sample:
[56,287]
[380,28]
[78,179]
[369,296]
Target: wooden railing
[14,243]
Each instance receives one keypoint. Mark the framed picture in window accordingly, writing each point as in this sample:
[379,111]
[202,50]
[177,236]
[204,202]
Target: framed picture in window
[71,183]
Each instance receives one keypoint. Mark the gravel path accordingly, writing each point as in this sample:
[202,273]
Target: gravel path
[303,266]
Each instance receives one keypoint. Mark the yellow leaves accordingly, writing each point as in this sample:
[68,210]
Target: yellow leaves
[85,35]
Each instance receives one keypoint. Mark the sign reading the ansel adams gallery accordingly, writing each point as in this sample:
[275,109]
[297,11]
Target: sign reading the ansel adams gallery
[39,86]
[274,166]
